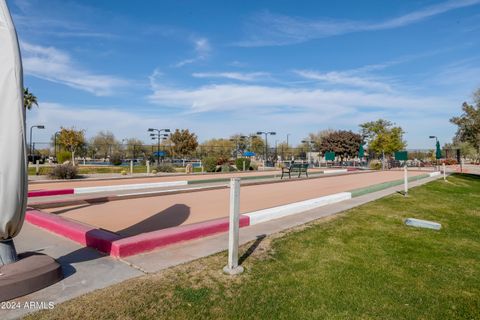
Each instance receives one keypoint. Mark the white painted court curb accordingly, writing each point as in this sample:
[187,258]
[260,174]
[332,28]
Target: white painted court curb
[296,207]
[335,171]
[129,187]
[434,174]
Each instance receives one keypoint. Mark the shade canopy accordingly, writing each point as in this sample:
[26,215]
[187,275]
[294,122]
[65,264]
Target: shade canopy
[438,151]
[361,151]
[13,166]
[159,154]
[249,154]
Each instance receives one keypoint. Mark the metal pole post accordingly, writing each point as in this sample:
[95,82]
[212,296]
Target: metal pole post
[444,173]
[131,166]
[405,180]
[37,167]
[383,160]
[31,141]
[234,224]
[148,166]
[266,150]
[55,145]
[158,148]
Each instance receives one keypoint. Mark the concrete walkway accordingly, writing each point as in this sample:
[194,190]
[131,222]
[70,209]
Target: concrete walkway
[87,270]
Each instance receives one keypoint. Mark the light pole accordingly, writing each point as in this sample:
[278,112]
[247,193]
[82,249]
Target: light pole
[266,133]
[55,143]
[436,144]
[288,134]
[31,128]
[157,135]
[124,149]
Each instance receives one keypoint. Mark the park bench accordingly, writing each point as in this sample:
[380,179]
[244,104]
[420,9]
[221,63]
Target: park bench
[295,167]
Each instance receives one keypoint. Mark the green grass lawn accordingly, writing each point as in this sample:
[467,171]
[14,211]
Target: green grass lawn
[362,264]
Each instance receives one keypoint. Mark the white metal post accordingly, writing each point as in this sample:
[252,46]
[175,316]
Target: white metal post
[131,166]
[243,164]
[444,173]
[37,167]
[148,167]
[405,180]
[234,225]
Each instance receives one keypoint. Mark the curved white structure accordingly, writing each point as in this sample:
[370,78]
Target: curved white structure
[13,164]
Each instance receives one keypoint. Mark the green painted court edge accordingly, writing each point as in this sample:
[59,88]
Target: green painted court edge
[273,176]
[385,185]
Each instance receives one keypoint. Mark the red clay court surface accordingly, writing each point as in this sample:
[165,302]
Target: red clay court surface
[110,182]
[135,216]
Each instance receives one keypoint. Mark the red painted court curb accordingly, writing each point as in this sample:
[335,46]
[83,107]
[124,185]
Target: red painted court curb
[119,247]
[151,240]
[47,193]
[73,230]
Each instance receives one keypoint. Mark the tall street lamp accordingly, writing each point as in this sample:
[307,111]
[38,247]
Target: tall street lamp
[158,136]
[55,143]
[124,148]
[31,128]
[288,134]
[266,133]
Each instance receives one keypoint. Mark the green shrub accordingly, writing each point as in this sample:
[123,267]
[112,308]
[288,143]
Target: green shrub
[375,165]
[209,164]
[64,171]
[226,168]
[63,156]
[239,163]
[165,168]
[123,172]
[116,159]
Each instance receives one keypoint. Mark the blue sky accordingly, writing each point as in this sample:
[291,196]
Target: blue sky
[220,68]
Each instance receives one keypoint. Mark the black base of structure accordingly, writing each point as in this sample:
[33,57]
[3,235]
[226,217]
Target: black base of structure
[32,272]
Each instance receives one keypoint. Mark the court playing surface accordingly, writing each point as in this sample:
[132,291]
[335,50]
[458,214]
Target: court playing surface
[134,216]
[163,178]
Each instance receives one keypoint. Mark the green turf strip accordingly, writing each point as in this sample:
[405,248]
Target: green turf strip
[385,185]
[200,181]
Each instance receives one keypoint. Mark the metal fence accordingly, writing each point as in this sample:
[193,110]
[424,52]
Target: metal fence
[101,154]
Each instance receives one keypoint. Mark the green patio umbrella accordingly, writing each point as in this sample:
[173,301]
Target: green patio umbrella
[361,151]
[438,152]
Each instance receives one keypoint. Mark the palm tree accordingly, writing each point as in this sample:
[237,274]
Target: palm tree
[29,99]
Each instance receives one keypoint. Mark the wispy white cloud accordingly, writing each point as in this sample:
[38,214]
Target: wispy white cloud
[202,49]
[59,19]
[460,76]
[229,97]
[132,123]
[240,76]
[346,78]
[269,29]
[51,64]
[238,64]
